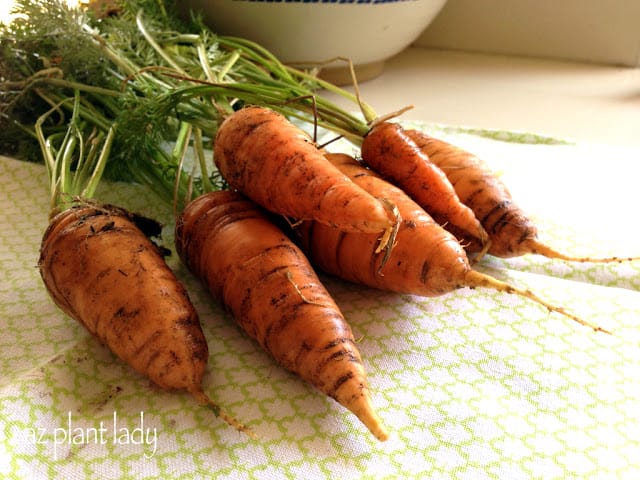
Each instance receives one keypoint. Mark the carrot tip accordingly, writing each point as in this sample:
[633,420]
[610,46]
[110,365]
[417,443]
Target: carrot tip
[375,426]
[539,248]
[203,399]
[603,330]
[365,413]
[477,279]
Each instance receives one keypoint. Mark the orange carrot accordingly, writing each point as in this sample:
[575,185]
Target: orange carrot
[103,271]
[271,290]
[511,231]
[275,164]
[426,260]
[389,151]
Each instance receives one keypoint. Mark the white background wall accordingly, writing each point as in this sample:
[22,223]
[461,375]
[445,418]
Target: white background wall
[602,31]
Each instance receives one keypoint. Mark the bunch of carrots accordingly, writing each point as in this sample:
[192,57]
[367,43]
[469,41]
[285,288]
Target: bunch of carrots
[291,206]
[411,214]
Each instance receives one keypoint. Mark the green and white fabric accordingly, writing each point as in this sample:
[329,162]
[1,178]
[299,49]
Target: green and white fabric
[472,385]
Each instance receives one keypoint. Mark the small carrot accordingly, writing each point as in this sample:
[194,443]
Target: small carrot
[389,151]
[426,260]
[511,231]
[276,164]
[102,270]
[271,290]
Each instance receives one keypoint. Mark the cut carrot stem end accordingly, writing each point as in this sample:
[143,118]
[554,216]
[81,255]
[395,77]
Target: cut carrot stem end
[546,251]
[477,279]
[203,399]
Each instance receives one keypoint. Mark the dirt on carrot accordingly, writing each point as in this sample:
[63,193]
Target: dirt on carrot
[426,259]
[102,270]
[274,163]
[511,231]
[267,284]
[389,151]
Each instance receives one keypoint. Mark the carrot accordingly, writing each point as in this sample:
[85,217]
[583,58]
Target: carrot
[389,151]
[267,284]
[104,272]
[100,267]
[426,260]
[275,164]
[511,231]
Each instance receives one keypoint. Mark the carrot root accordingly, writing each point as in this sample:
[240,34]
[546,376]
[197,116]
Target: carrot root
[477,279]
[262,154]
[388,150]
[101,269]
[539,248]
[366,414]
[203,399]
[426,259]
[267,284]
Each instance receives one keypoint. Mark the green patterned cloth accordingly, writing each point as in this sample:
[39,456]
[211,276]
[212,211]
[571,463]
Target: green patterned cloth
[472,385]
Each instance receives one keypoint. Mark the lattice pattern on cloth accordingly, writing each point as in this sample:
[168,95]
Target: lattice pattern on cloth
[472,384]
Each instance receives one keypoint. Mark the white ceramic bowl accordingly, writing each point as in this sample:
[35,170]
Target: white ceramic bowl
[304,32]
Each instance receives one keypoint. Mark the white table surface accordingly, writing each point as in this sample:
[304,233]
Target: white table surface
[586,102]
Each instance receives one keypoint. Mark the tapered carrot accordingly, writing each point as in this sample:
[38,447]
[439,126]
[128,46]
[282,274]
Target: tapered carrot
[274,163]
[511,231]
[389,151]
[102,270]
[100,266]
[426,260]
[271,290]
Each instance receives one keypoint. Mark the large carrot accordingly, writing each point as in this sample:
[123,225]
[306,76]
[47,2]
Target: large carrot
[426,260]
[101,268]
[275,164]
[271,290]
[511,231]
[389,151]
[103,271]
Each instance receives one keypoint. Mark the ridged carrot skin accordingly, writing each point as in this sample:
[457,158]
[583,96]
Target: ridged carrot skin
[511,232]
[104,272]
[388,150]
[277,165]
[267,284]
[425,259]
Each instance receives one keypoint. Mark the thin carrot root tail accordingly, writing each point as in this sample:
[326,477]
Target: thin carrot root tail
[363,409]
[477,279]
[203,399]
[546,251]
